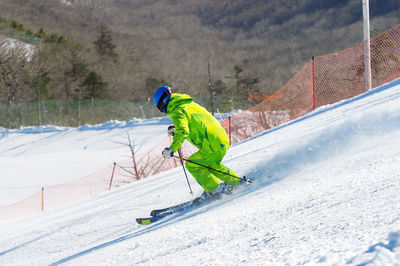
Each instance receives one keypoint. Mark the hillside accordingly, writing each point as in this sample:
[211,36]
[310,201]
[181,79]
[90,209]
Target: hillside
[174,40]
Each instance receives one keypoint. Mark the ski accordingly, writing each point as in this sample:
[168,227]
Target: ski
[149,220]
[159,214]
[176,208]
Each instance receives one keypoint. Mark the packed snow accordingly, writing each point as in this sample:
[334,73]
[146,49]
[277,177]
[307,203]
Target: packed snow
[36,157]
[326,191]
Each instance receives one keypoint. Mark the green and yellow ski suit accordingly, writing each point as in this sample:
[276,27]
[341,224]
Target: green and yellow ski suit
[194,123]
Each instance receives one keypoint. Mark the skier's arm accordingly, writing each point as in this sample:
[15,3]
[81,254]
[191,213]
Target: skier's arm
[182,129]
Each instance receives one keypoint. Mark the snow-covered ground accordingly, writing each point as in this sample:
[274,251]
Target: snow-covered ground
[33,157]
[8,45]
[326,191]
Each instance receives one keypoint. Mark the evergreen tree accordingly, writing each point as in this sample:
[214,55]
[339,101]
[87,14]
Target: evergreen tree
[72,75]
[40,33]
[95,87]
[104,44]
[40,83]
[152,84]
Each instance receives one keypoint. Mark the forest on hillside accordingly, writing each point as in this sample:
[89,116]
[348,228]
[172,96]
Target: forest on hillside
[124,49]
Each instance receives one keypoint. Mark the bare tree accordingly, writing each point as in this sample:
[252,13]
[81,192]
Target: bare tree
[13,61]
[12,66]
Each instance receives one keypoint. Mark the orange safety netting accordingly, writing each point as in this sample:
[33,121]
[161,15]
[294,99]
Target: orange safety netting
[295,100]
[322,80]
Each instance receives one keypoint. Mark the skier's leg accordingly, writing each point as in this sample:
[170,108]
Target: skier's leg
[226,178]
[208,178]
[215,157]
[203,176]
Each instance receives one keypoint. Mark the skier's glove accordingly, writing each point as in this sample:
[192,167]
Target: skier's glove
[171,130]
[168,153]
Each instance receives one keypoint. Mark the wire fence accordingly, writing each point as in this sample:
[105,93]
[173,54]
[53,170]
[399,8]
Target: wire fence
[22,36]
[75,113]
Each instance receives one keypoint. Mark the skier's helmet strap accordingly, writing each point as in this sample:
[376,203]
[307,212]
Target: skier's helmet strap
[161,98]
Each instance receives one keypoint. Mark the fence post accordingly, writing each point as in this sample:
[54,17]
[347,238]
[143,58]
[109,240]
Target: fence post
[150,109]
[44,113]
[79,111]
[313,81]
[40,118]
[143,114]
[112,176]
[93,114]
[367,44]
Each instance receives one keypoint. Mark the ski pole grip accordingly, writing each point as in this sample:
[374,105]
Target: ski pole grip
[171,130]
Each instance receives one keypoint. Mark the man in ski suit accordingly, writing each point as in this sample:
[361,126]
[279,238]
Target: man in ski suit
[194,123]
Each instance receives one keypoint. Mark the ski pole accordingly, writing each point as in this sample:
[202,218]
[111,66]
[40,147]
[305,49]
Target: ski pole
[184,170]
[241,178]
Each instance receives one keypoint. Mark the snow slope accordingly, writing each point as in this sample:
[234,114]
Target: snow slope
[326,191]
[33,157]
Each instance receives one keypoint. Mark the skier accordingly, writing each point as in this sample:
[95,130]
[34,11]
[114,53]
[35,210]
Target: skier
[194,123]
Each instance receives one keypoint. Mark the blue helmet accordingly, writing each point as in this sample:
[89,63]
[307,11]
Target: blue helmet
[161,98]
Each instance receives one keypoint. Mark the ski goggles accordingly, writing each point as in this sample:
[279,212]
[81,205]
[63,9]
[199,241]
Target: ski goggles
[163,101]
